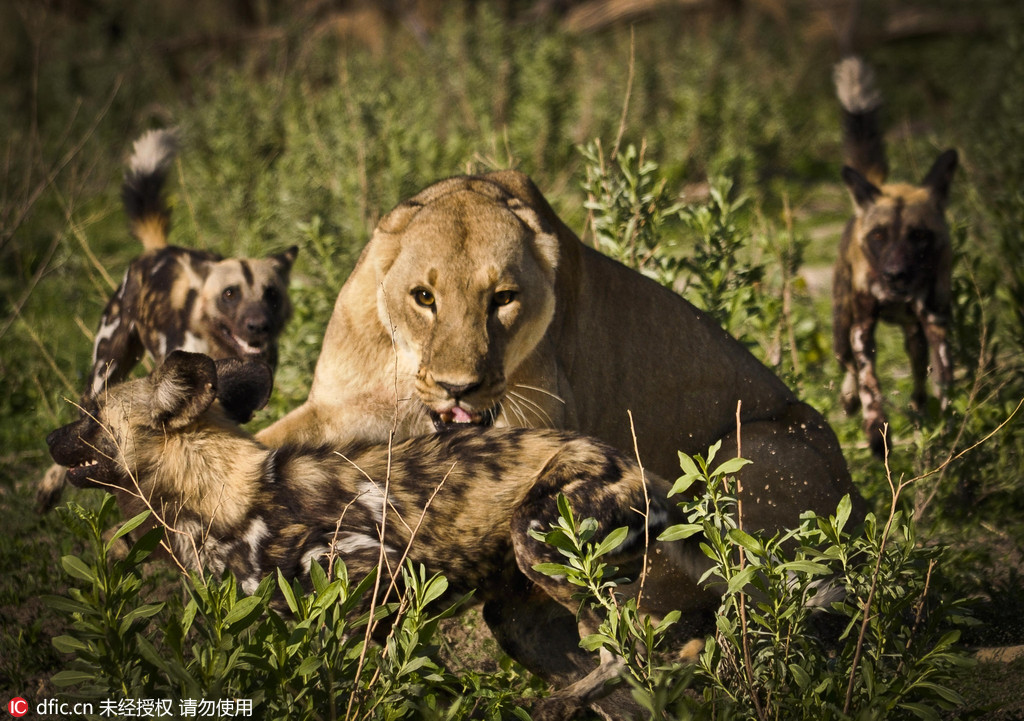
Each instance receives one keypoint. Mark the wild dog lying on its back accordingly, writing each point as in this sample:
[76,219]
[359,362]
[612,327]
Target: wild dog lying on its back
[179,298]
[232,503]
[895,260]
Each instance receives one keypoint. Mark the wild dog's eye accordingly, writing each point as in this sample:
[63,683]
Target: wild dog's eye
[877,236]
[230,293]
[272,295]
[423,297]
[919,236]
[504,297]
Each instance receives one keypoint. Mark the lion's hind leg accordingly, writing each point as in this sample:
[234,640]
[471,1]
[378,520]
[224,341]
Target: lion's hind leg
[796,465]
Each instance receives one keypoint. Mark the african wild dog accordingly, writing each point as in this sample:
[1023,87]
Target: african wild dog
[179,298]
[461,503]
[894,263]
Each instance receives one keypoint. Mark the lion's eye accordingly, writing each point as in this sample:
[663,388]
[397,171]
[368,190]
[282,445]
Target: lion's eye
[503,297]
[423,297]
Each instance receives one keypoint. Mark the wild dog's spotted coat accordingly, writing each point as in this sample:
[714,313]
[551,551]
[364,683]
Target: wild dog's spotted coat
[462,502]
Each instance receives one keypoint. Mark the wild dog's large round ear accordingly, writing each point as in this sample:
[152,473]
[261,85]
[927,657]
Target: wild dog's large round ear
[286,258]
[183,387]
[243,387]
[941,175]
[864,192]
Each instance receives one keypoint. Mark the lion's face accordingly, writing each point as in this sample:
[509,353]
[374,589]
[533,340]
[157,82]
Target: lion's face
[467,283]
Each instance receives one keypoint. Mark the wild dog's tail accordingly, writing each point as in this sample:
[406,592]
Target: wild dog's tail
[863,145]
[142,191]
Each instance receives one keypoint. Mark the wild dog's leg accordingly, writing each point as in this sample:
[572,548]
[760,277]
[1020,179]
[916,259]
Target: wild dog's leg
[862,343]
[537,632]
[842,320]
[610,491]
[118,347]
[936,332]
[917,350]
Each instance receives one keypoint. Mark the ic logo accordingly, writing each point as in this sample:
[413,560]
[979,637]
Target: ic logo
[17,707]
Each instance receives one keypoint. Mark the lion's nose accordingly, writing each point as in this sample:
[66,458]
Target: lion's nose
[458,390]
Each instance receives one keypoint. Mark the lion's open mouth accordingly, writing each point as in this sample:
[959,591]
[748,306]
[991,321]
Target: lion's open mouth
[459,416]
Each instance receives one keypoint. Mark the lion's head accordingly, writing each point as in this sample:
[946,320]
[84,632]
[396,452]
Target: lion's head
[466,279]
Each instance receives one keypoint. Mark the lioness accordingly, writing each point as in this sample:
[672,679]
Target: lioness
[474,303]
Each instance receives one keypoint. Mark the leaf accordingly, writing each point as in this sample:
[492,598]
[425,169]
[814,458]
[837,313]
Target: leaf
[317,575]
[804,566]
[688,465]
[612,541]
[683,483]
[552,569]
[744,539]
[596,641]
[127,527]
[147,611]
[741,579]
[921,711]
[287,592]
[680,531]
[68,605]
[843,511]
[76,568]
[800,675]
[68,644]
[730,467]
[564,510]
[70,678]
[308,666]
[435,588]
[241,611]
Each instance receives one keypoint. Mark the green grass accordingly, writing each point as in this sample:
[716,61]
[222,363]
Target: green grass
[296,135]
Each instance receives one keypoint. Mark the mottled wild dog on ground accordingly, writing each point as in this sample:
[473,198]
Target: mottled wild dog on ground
[894,263]
[179,298]
[461,503]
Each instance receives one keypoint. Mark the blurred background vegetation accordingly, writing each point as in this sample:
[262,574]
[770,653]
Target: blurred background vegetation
[304,122]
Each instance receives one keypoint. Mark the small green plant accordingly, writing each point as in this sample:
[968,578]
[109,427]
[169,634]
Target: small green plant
[820,621]
[285,651]
[721,279]
[629,205]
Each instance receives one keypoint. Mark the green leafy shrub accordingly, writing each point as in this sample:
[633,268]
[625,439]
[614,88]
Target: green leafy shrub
[285,651]
[819,622]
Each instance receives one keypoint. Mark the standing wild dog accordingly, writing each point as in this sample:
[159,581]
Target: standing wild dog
[461,503]
[179,298]
[894,263]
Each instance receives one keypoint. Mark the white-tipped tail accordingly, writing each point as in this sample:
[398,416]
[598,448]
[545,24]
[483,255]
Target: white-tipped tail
[153,152]
[855,85]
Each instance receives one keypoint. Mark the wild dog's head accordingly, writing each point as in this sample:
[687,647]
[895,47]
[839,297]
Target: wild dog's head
[124,431]
[901,229]
[243,305]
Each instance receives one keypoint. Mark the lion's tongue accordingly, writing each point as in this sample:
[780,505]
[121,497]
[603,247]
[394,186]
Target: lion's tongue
[459,415]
